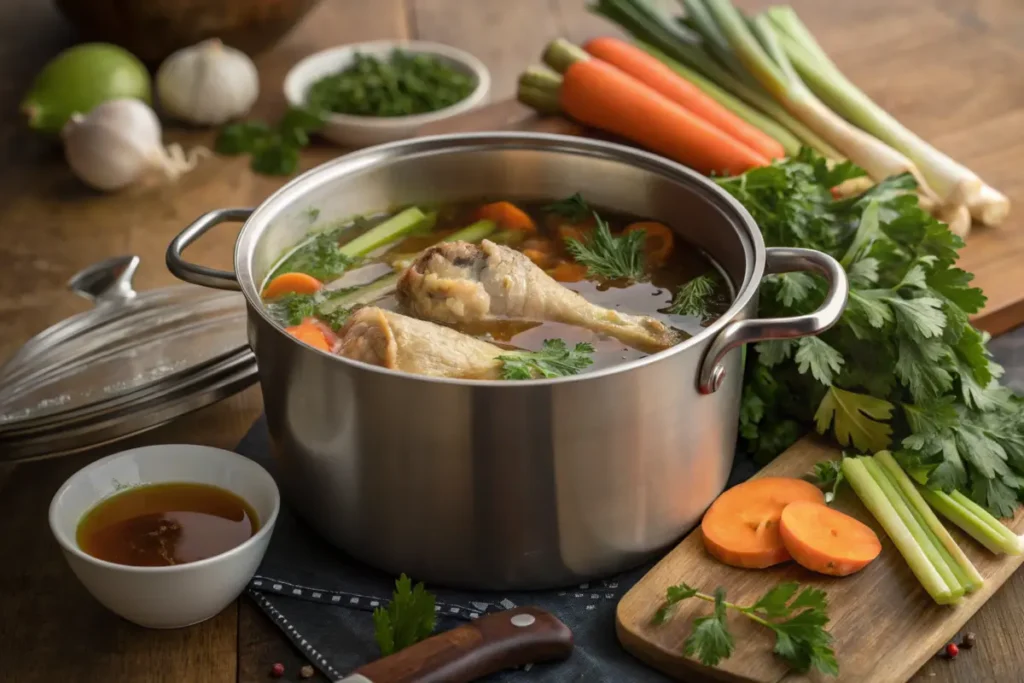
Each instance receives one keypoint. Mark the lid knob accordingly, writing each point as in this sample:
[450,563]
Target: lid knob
[107,282]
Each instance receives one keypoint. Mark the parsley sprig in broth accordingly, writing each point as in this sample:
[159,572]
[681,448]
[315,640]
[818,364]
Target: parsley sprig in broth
[695,298]
[555,359]
[320,257]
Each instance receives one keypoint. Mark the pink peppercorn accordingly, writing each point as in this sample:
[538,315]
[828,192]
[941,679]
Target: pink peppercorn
[952,650]
[277,670]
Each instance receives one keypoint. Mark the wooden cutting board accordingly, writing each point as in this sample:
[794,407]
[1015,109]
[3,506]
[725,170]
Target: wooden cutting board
[884,624]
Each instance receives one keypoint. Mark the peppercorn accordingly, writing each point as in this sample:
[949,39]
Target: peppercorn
[968,641]
[277,670]
[306,671]
[952,651]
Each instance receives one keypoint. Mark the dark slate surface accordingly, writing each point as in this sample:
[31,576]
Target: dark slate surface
[322,599]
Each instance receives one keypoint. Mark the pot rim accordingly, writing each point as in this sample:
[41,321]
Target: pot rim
[274,205]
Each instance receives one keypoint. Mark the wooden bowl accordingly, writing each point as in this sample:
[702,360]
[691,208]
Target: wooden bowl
[153,29]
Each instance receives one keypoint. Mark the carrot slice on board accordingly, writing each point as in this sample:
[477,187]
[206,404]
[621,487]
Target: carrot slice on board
[291,283]
[658,243]
[826,540]
[741,528]
[568,272]
[508,216]
[311,334]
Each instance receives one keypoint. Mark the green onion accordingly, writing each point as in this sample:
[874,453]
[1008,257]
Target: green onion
[950,180]
[880,506]
[961,565]
[760,51]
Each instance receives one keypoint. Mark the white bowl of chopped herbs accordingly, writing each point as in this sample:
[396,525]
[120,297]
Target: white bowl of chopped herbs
[381,91]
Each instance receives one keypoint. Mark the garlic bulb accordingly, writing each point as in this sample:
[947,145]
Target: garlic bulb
[119,142]
[207,84]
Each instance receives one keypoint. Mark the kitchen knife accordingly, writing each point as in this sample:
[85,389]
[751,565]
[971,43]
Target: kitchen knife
[502,640]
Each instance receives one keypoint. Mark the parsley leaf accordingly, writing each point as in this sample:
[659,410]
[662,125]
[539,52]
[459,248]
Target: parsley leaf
[574,208]
[902,359]
[694,298]
[857,418]
[710,640]
[274,150]
[555,359]
[408,618]
[798,620]
[609,256]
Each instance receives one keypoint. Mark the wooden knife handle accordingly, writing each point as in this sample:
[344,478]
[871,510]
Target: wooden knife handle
[502,640]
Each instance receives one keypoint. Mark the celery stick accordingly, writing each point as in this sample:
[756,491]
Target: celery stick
[986,517]
[917,531]
[474,232]
[961,565]
[970,524]
[875,500]
[397,226]
[725,98]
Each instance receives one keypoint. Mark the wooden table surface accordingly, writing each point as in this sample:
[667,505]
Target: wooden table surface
[950,69]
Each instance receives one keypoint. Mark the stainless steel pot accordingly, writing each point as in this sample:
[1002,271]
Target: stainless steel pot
[496,484]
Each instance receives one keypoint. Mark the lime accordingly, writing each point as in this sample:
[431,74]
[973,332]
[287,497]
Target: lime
[81,77]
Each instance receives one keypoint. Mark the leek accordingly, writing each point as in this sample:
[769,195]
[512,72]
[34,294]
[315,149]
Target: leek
[875,500]
[765,58]
[944,175]
[737,106]
[961,565]
[646,23]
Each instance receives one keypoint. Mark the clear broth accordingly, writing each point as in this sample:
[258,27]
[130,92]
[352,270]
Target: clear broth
[160,525]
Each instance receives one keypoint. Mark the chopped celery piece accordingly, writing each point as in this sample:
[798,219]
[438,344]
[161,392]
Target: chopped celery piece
[875,500]
[986,517]
[474,232]
[967,574]
[397,226]
[970,523]
[922,538]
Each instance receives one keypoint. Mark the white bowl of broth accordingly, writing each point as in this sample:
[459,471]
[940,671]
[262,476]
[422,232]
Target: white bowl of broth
[166,536]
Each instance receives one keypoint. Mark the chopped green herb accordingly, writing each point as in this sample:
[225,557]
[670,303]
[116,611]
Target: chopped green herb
[829,473]
[555,359]
[695,298]
[574,208]
[320,257]
[274,151]
[408,618]
[401,85]
[608,256]
[797,618]
[292,309]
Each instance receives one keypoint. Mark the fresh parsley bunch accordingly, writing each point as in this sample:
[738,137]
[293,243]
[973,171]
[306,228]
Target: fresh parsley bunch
[903,369]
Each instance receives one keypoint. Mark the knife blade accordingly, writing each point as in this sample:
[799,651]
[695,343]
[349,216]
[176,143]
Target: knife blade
[502,640]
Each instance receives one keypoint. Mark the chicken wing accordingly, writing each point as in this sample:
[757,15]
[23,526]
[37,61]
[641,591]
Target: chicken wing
[460,282]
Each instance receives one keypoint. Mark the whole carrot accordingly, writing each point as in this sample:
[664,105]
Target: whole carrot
[597,94]
[648,70]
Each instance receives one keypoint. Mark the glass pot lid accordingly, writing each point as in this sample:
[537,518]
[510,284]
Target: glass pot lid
[131,350]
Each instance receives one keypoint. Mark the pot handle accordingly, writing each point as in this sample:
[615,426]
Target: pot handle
[780,260]
[194,273]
